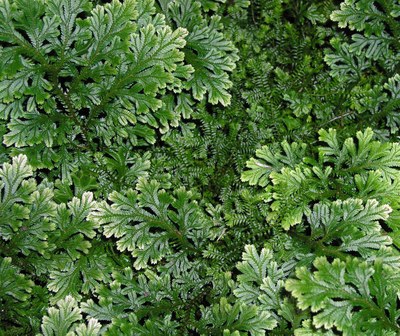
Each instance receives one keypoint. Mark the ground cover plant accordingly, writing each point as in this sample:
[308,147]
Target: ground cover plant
[179,167]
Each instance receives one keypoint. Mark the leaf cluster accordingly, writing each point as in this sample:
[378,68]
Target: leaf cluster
[209,167]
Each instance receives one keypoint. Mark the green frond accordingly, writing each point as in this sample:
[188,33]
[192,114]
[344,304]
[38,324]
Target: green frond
[209,167]
[147,221]
[348,295]
[358,15]
[238,319]
[64,318]
[14,286]
[343,63]
[288,155]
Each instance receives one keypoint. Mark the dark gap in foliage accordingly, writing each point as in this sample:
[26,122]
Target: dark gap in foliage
[64,82]
[101,2]
[84,112]
[335,331]
[80,138]
[153,213]
[43,174]
[381,7]
[5,44]
[374,299]
[52,53]
[336,242]
[354,254]
[29,81]
[387,312]
[330,258]
[101,115]
[24,34]
[89,80]
[385,226]
[84,15]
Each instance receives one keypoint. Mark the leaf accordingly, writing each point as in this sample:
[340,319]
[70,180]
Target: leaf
[268,161]
[341,294]
[210,54]
[297,188]
[314,14]
[154,55]
[300,106]
[261,283]
[78,277]
[342,218]
[12,176]
[80,209]
[343,63]
[363,155]
[33,235]
[26,209]
[110,26]
[91,329]
[17,86]
[358,15]
[128,294]
[254,265]
[162,325]
[14,286]
[148,220]
[308,330]
[156,51]
[60,320]
[63,320]
[238,318]
[373,46]
[72,63]
[72,225]
[35,129]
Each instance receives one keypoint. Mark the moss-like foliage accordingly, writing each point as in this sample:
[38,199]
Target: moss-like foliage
[209,167]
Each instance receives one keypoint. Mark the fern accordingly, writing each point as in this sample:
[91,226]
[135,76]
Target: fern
[15,292]
[152,208]
[335,291]
[295,188]
[63,320]
[376,40]
[226,319]
[42,237]
[207,50]
[199,167]
[261,282]
[99,74]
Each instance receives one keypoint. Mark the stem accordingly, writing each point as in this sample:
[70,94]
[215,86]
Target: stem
[391,22]
[319,248]
[172,232]
[376,310]
[66,101]
[262,165]
[53,72]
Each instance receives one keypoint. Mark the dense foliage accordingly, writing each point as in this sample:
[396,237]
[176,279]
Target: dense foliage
[209,167]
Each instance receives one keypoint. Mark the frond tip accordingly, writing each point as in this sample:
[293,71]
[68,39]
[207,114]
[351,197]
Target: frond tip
[65,318]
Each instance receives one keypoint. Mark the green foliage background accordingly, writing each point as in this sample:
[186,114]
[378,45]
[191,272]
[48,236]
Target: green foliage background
[179,167]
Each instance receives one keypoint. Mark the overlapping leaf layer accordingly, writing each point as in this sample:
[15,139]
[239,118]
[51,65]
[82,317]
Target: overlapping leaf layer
[208,167]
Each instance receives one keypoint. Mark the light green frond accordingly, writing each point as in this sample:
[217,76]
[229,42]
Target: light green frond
[64,318]
[14,286]
[237,318]
[347,295]
[254,266]
[268,161]
[148,221]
